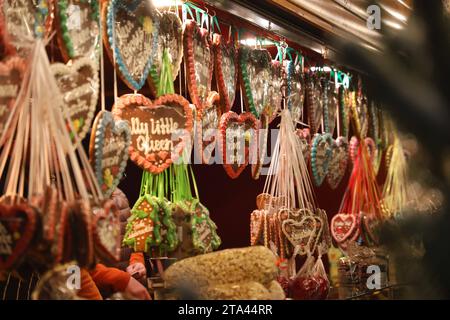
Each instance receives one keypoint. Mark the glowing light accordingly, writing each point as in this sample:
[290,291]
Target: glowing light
[251,42]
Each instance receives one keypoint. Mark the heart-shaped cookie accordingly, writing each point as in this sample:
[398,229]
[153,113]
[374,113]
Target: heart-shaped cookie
[295,90]
[255,69]
[300,233]
[17,229]
[11,73]
[131,30]
[208,126]
[257,159]
[275,95]
[199,59]
[372,149]
[159,131]
[106,230]
[79,85]
[22,21]
[305,140]
[78,28]
[237,135]
[321,153]
[108,150]
[325,239]
[170,38]
[314,102]
[338,163]
[226,70]
[265,201]
[370,224]
[343,227]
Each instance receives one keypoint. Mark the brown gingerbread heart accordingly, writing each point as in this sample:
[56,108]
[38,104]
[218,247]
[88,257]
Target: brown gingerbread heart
[159,131]
[226,70]
[79,85]
[17,229]
[199,58]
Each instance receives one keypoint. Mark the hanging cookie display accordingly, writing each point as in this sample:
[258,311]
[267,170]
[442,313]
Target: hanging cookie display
[255,69]
[305,140]
[106,230]
[131,38]
[78,28]
[207,125]
[11,73]
[170,38]
[237,141]
[257,159]
[275,95]
[159,131]
[108,150]
[168,229]
[199,59]
[143,227]
[21,21]
[226,70]
[79,84]
[204,230]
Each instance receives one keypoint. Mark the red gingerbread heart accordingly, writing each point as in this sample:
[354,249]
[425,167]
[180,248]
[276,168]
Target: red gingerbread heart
[343,226]
[198,56]
[237,140]
[159,131]
[17,229]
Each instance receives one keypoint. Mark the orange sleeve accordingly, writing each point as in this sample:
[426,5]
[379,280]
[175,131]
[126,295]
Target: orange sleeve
[110,279]
[88,288]
[137,257]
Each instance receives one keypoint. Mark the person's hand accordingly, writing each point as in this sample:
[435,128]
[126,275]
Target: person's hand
[138,268]
[137,290]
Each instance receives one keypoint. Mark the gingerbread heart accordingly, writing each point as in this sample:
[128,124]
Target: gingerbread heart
[371,224]
[237,135]
[78,28]
[79,85]
[314,102]
[338,163]
[295,90]
[275,95]
[321,154]
[300,233]
[255,69]
[108,150]
[199,59]
[11,73]
[170,38]
[257,159]
[22,21]
[325,239]
[131,29]
[17,229]
[372,150]
[226,70]
[207,127]
[343,227]
[305,140]
[107,236]
[159,131]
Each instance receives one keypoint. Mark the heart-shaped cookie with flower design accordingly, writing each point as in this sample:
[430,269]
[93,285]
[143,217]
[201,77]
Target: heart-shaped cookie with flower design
[108,150]
[130,33]
[321,154]
[106,230]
